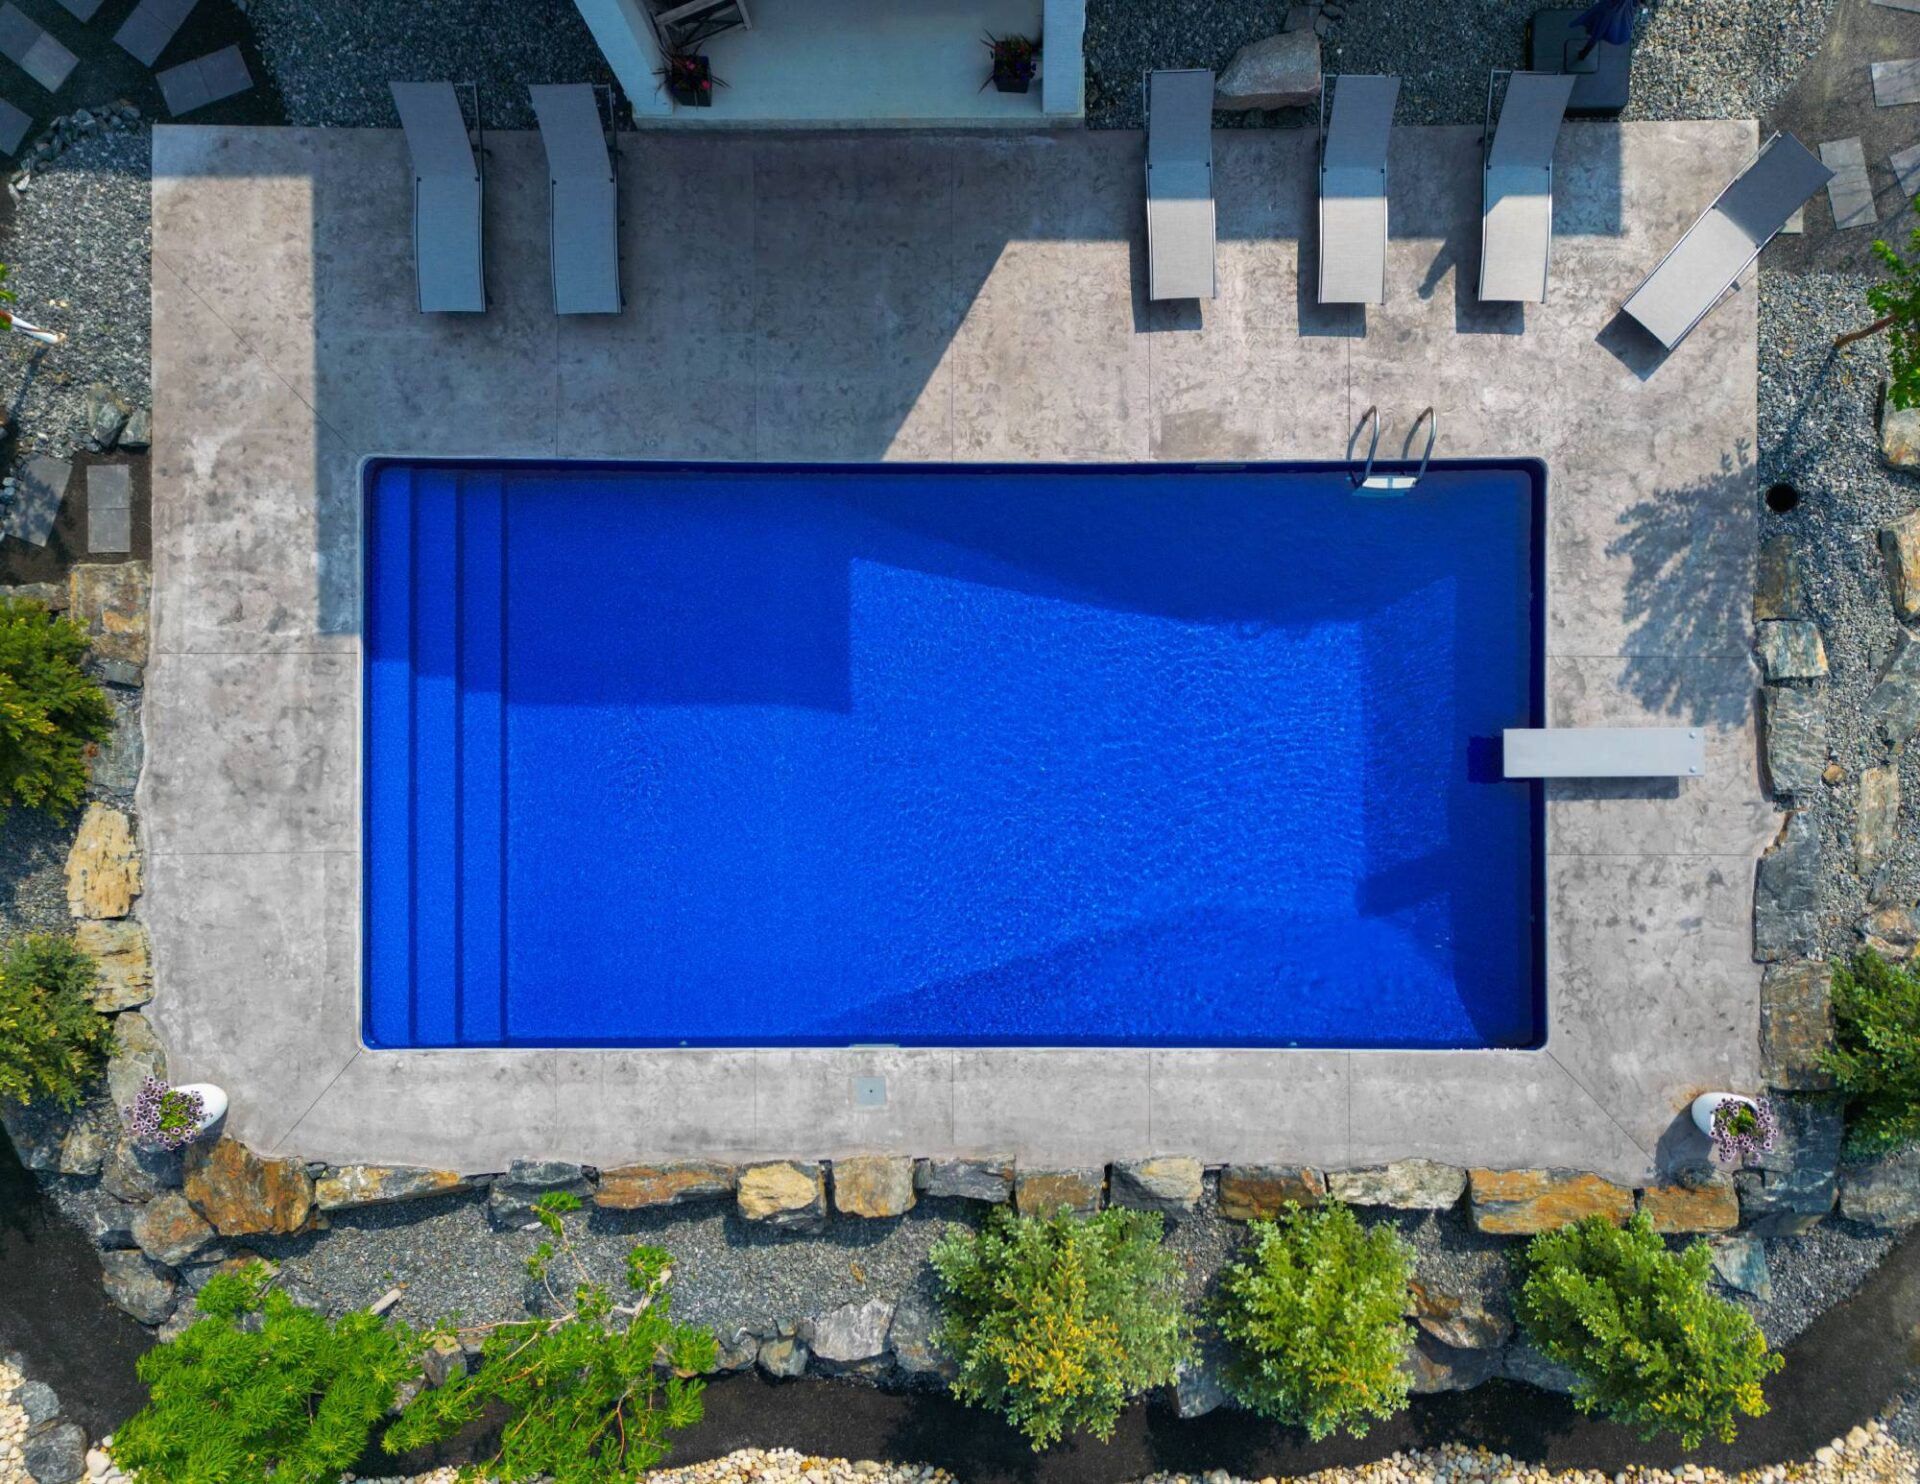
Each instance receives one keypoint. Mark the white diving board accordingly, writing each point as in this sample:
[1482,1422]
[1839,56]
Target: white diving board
[1605,752]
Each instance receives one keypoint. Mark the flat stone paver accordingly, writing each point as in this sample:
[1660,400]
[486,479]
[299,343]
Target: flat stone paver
[920,296]
[1797,223]
[151,26]
[1895,83]
[204,80]
[82,10]
[14,124]
[1908,5]
[1905,164]
[109,509]
[1849,192]
[36,52]
[38,489]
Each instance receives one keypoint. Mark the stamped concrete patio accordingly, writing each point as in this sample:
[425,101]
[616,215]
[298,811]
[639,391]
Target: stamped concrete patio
[913,297]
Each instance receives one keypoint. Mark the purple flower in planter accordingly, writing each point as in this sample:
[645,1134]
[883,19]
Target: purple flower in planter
[1742,1130]
[164,1117]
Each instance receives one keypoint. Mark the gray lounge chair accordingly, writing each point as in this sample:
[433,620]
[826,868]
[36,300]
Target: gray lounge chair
[1353,188]
[449,262]
[585,200]
[1605,752]
[1704,264]
[1180,184]
[1516,173]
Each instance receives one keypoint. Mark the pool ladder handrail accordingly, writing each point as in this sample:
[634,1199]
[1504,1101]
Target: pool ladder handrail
[1391,484]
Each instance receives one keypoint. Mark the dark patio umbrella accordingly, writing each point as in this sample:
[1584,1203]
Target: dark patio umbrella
[1610,21]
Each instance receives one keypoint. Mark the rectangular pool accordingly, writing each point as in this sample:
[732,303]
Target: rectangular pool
[930,755]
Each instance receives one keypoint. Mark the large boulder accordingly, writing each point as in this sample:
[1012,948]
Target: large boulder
[1780,586]
[1794,721]
[1796,1024]
[1261,1192]
[1893,706]
[56,1455]
[36,1131]
[1711,1205]
[118,946]
[1521,1362]
[875,1185]
[988,1178]
[1791,649]
[1433,1367]
[787,1194]
[379,1185]
[513,1196]
[1522,1202]
[853,1336]
[1741,1262]
[1876,819]
[103,865]
[1404,1185]
[1794,1184]
[243,1194]
[1786,892]
[1900,550]
[1043,1192]
[1458,1321]
[1900,436]
[675,1182]
[132,1173]
[1198,1384]
[1167,1183]
[1883,1192]
[1274,72]
[137,1055]
[783,1358]
[916,1320]
[169,1230]
[138,1285]
[109,600]
[1891,932]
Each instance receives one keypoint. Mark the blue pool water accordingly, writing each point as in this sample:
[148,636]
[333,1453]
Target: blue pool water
[756,756]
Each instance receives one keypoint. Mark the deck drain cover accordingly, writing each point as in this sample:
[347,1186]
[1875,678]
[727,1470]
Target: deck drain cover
[869,1092]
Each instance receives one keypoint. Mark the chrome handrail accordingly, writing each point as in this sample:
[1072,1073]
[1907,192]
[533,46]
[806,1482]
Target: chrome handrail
[1400,484]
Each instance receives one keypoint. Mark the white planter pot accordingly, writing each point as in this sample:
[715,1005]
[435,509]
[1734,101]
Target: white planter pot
[1704,1105]
[213,1104]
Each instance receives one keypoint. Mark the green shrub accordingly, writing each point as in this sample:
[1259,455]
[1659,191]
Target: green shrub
[53,1043]
[1055,1323]
[1876,1058]
[1315,1318]
[587,1401]
[294,1398]
[1650,1346]
[51,713]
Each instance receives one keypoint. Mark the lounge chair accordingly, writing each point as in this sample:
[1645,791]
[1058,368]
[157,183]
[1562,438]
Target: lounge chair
[1353,188]
[585,198]
[1605,752]
[1180,184]
[1516,173]
[1720,246]
[449,263]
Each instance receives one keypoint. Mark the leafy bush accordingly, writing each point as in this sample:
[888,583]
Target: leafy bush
[1651,1347]
[1876,1059]
[1054,1324]
[1316,1320]
[295,1397]
[51,713]
[52,1041]
[589,1406]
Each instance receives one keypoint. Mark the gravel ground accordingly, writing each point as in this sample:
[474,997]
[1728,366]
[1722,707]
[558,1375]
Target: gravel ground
[77,241]
[33,877]
[332,59]
[1816,432]
[1693,59]
[1812,1273]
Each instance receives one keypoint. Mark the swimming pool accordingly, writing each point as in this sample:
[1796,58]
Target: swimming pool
[932,755]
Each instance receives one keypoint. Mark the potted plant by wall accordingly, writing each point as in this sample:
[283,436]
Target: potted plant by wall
[163,1117]
[1015,61]
[1741,1128]
[689,80]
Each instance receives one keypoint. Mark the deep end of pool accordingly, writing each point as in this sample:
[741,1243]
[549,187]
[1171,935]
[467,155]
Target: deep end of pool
[771,755]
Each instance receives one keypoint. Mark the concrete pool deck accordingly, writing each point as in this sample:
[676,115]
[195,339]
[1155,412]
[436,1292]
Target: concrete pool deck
[932,297]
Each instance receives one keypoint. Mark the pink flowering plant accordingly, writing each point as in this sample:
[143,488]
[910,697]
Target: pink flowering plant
[164,1117]
[1742,1130]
